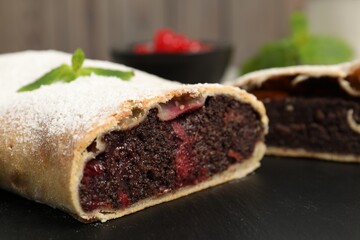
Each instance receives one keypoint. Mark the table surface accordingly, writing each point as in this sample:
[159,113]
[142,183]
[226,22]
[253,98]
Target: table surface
[284,199]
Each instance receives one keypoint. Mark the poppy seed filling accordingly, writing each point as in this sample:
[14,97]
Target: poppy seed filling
[158,156]
[315,115]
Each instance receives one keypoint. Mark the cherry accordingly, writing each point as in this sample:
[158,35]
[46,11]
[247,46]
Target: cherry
[123,199]
[180,132]
[203,174]
[235,155]
[97,204]
[92,168]
[184,164]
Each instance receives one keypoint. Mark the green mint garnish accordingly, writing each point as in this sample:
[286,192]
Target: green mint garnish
[301,47]
[67,73]
[77,59]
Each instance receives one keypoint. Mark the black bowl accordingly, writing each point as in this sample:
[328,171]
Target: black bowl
[201,67]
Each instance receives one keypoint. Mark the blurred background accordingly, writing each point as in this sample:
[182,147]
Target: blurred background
[98,26]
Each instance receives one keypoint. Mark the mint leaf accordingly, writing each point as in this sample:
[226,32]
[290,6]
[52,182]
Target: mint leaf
[325,50]
[299,48]
[108,72]
[62,73]
[67,73]
[299,28]
[77,59]
[87,71]
[278,54]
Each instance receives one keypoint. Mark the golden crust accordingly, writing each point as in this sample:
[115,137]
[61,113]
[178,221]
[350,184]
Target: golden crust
[340,72]
[52,174]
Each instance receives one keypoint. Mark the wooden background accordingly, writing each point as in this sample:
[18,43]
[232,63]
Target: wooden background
[97,26]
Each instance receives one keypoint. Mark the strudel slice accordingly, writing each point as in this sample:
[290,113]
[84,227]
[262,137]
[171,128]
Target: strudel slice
[314,111]
[100,147]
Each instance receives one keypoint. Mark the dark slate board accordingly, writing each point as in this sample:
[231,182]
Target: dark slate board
[285,199]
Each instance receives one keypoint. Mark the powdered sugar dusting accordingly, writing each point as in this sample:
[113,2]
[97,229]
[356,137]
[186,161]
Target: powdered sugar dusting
[63,108]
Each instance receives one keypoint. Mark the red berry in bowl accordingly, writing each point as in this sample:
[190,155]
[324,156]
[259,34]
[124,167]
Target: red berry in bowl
[183,44]
[164,41]
[195,46]
[167,41]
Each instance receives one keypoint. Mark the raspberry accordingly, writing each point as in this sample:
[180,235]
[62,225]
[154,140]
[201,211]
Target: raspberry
[164,41]
[167,41]
[181,44]
[195,46]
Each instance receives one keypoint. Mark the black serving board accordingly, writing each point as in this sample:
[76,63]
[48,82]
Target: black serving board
[284,199]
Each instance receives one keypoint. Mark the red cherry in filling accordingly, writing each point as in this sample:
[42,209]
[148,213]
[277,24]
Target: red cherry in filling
[180,132]
[98,204]
[92,168]
[123,199]
[236,155]
[184,165]
[203,174]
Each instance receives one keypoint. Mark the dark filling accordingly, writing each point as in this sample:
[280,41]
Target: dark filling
[311,115]
[157,156]
[315,124]
[283,87]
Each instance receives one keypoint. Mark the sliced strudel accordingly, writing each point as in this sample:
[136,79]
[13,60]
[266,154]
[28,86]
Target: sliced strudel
[100,147]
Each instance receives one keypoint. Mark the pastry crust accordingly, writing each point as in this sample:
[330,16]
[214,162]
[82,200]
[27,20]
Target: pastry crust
[340,72]
[42,155]
[277,151]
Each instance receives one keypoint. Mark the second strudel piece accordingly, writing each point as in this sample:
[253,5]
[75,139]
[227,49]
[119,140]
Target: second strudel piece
[314,111]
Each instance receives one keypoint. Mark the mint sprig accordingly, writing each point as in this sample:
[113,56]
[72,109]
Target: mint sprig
[77,59]
[67,73]
[301,47]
